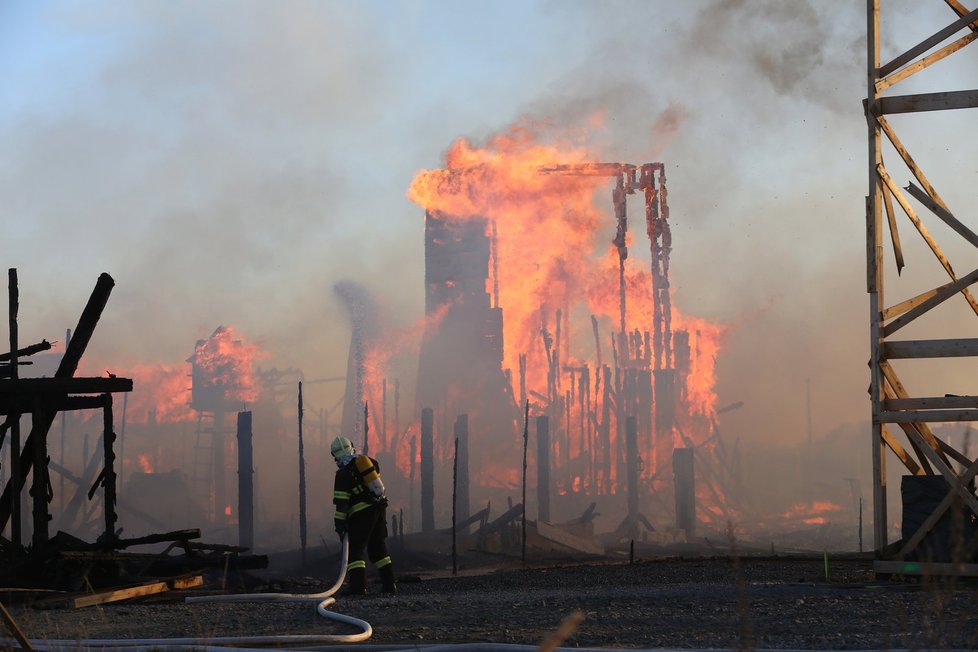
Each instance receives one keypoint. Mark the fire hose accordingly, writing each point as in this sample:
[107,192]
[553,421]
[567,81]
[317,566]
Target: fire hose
[323,601]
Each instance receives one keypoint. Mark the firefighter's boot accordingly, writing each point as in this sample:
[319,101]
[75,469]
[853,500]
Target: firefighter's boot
[387,578]
[358,581]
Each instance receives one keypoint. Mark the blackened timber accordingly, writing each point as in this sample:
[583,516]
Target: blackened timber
[543,468]
[682,466]
[427,470]
[43,345]
[631,443]
[40,494]
[81,385]
[66,369]
[17,462]
[462,437]
[109,475]
[246,472]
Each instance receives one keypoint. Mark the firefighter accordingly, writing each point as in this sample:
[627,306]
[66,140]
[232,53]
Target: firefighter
[361,515]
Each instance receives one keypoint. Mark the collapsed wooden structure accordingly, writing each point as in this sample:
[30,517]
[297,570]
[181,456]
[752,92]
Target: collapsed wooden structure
[895,410]
[63,561]
[43,398]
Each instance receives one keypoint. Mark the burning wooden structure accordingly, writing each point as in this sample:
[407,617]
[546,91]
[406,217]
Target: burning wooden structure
[900,419]
[583,406]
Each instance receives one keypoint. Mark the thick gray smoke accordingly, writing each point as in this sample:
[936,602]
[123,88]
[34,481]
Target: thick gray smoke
[229,162]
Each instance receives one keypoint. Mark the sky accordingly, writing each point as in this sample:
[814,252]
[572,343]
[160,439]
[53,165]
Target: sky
[231,162]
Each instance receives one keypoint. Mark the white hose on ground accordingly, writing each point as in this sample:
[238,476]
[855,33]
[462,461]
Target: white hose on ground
[323,601]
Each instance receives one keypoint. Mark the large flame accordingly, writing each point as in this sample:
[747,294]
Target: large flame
[555,267]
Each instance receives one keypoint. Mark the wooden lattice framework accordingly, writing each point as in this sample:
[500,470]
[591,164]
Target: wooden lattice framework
[900,421]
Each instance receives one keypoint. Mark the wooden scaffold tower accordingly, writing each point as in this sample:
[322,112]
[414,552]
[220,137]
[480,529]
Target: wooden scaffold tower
[901,420]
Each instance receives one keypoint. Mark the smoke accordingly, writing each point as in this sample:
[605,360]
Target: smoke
[228,163]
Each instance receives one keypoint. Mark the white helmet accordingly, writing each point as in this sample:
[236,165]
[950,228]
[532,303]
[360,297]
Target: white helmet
[341,447]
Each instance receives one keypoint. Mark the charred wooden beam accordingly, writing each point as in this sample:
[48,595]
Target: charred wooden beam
[43,345]
[682,466]
[69,364]
[246,487]
[543,468]
[462,494]
[427,470]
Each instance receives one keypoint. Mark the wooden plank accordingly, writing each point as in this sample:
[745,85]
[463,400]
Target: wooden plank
[74,385]
[953,453]
[926,62]
[895,389]
[911,164]
[923,303]
[894,232]
[928,416]
[946,348]
[927,44]
[931,403]
[925,568]
[901,452]
[118,595]
[924,233]
[943,213]
[191,582]
[920,102]
[961,10]
[564,538]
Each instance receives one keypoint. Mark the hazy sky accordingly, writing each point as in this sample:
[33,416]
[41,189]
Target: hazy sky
[228,162]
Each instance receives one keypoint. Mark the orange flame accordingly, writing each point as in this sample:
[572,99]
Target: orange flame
[144,464]
[228,362]
[553,253]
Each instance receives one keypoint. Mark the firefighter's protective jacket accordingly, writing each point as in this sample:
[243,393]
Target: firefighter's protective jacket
[350,495]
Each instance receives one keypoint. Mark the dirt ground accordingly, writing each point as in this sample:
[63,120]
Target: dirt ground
[719,602]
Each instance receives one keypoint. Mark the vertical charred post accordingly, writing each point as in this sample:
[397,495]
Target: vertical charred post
[543,468]
[631,444]
[462,466]
[16,470]
[427,470]
[302,482]
[682,467]
[246,486]
[109,476]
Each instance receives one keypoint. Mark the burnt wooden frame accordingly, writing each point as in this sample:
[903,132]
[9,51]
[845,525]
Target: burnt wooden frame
[920,450]
[43,398]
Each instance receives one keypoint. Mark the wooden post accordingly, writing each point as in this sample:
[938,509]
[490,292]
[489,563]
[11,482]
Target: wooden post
[16,470]
[631,445]
[246,489]
[109,477]
[302,484]
[543,468]
[413,473]
[427,470]
[454,506]
[682,467]
[874,273]
[220,480]
[462,465]
[526,439]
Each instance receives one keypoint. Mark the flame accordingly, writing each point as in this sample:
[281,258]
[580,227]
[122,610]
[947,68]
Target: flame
[144,464]
[811,512]
[159,392]
[227,362]
[227,510]
[553,253]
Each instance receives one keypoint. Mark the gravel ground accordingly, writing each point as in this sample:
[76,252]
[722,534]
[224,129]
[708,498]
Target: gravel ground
[781,603]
